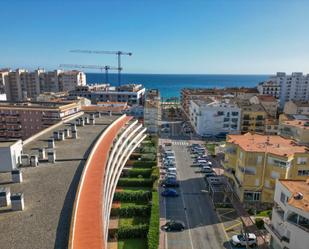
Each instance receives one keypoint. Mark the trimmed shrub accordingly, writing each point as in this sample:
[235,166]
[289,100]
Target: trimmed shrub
[134,182]
[144,164]
[145,173]
[132,196]
[154,224]
[131,210]
[138,231]
[259,223]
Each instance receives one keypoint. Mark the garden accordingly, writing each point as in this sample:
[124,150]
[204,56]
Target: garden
[136,201]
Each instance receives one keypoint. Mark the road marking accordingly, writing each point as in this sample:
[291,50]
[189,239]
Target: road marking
[232,226]
[231,211]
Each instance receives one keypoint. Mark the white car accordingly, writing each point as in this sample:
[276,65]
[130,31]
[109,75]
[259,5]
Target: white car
[242,240]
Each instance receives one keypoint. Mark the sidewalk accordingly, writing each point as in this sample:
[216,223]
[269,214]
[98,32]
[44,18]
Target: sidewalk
[248,223]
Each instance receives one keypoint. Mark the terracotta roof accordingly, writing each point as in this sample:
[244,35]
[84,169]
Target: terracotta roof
[95,108]
[297,187]
[271,144]
[267,98]
[304,124]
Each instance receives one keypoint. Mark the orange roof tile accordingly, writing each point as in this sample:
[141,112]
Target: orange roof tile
[295,187]
[271,144]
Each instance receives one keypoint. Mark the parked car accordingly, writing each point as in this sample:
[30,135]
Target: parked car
[210,174]
[167,177]
[174,225]
[169,192]
[170,183]
[242,240]
[207,169]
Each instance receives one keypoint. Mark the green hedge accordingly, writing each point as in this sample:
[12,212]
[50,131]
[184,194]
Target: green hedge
[144,164]
[145,173]
[131,210]
[259,223]
[133,196]
[135,182]
[154,224]
[138,231]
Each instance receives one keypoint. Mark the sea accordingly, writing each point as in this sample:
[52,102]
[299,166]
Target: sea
[171,84]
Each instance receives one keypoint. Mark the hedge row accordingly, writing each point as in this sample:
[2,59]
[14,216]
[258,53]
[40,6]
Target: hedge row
[145,173]
[144,164]
[135,182]
[132,196]
[132,210]
[154,223]
[128,232]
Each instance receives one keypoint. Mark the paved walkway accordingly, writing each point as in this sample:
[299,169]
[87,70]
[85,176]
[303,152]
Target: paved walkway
[248,223]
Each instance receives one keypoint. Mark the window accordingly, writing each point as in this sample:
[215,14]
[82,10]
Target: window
[259,159]
[234,113]
[275,175]
[303,172]
[283,198]
[252,196]
[302,160]
[220,113]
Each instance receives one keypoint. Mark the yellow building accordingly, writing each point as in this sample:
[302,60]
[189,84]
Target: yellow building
[253,162]
[252,117]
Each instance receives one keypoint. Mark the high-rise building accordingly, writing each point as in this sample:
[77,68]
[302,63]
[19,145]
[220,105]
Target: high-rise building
[152,110]
[21,85]
[292,87]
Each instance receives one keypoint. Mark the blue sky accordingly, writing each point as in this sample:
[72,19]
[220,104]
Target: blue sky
[165,36]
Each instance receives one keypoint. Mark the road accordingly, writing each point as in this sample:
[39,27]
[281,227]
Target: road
[194,207]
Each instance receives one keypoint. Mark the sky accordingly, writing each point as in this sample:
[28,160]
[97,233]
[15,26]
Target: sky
[165,36]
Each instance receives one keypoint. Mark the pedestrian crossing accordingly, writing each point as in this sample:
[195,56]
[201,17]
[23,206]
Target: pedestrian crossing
[180,143]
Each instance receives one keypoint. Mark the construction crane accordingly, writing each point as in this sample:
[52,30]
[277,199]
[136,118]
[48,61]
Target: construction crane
[106,68]
[118,53]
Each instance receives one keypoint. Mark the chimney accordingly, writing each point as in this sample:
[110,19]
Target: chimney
[66,133]
[86,120]
[73,127]
[17,176]
[61,135]
[34,161]
[74,134]
[51,143]
[5,195]
[42,153]
[25,160]
[17,201]
[92,119]
[56,135]
[51,156]
[82,122]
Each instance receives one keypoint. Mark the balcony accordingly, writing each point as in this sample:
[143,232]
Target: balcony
[299,221]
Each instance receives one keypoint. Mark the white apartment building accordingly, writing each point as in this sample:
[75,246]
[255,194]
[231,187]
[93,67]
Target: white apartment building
[21,85]
[292,87]
[214,116]
[269,87]
[133,94]
[152,110]
[289,226]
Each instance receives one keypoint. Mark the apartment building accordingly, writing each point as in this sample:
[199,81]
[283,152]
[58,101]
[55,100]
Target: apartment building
[292,87]
[152,110]
[21,120]
[270,87]
[268,102]
[253,117]
[22,85]
[296,107]
[133,94]
[188,94]
[213,116]
[253,162]
[289,226]
[3,79]
[296,129]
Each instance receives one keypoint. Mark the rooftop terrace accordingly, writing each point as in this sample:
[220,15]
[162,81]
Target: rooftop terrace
[49,191]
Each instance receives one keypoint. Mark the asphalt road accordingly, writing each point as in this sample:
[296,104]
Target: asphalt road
[194,207]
